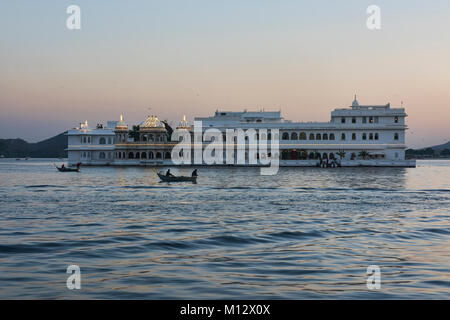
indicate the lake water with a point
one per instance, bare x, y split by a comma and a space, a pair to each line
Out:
304, 233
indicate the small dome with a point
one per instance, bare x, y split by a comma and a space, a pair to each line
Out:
84, 125
355, 102
152, 122
121, 124
183, 124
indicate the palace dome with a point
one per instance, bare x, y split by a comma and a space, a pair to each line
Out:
151, 122
121, 125
183, 124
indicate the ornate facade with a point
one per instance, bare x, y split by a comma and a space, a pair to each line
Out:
359, 135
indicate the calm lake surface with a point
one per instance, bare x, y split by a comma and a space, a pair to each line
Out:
304, 233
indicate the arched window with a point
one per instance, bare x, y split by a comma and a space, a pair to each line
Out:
150, 155
151, 138
324, 155
311, 136
102, 140
331, 136
376, 135
325, 136
364, 136
143, 155
276, 136
353, 136
144, 138
285, 136
331, 155
84, 140
130, 155
302, 136
158, 155
396, 136
343, 136
102, 155
294, 136
167, 156
138, 155
371, 136
318, 137
123, 155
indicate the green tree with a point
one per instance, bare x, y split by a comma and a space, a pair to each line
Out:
134, 133
341, 154
169, 130
363, 154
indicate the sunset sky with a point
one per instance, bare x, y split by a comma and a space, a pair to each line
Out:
193, 57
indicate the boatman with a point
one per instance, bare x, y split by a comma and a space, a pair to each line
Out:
194, 173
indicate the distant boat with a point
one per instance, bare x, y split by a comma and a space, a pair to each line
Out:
165, 178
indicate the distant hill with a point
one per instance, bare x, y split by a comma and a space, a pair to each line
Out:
441, 147
50, 148
440, 151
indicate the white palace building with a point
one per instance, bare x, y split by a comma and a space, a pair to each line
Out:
360, 135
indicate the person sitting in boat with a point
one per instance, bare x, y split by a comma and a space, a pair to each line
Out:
63, 167
168, 174
194, 173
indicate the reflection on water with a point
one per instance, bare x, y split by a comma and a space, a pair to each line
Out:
304, 233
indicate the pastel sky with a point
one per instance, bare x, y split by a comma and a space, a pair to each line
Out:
195, 56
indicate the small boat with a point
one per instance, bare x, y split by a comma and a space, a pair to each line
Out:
65, 169
68, 169
165, 178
